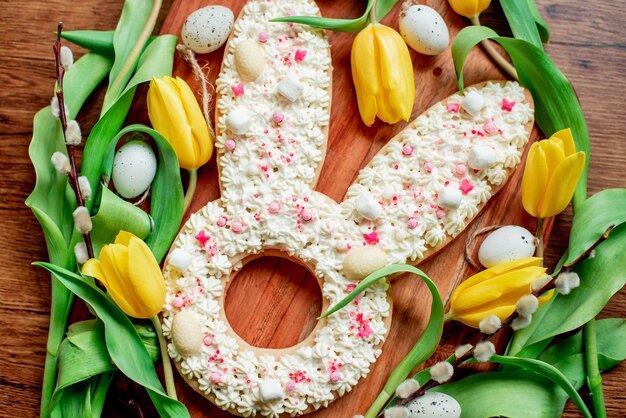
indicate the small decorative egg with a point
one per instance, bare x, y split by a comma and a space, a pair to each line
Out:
206, 29
508, 243
434, 405
424, 30
363, 261
134, 168
187, 334
249, 59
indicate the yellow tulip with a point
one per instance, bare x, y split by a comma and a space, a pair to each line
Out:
469, 8
495, 291
175, 114
131, 275
382, 71
551, 174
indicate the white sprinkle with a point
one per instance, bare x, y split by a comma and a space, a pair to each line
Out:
80, 252
521, 322
484, 351
60, 162
540, 283
567, 281
85, 187
82, 220
441, 372
490, 325
396, 412
407, 388
73, 136
67, 57
527, 305
462, 350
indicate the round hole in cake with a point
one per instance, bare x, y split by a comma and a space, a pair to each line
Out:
273, 301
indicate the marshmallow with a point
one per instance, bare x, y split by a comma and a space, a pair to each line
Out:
180, 259
473, 102
290, 88
449, 198
368, 207
270, 390
481, 157
238, 121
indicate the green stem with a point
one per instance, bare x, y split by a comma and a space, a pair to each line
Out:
594, 379
117, 86
167, 365
191, 189
539, 237
372, 15
495, 54
378, 405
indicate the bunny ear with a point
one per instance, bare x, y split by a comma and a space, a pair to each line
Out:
429, 182
273, 105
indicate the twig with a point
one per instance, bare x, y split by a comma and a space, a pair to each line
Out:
200, 75
495, 55
72, 175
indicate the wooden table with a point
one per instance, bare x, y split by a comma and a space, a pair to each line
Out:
588, 46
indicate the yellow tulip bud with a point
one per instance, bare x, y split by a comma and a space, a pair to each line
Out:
175, 114
496, 291
469, 8
552, 171
382, 71
131, 275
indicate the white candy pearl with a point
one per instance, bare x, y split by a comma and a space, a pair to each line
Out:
449, 198
481, 157
290, 88
473, 102
368, 207
238, 121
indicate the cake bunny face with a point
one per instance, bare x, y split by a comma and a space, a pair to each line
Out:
416, 194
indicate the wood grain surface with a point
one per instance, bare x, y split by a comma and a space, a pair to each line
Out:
273, 302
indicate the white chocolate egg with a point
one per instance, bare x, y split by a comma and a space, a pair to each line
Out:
363, 261
187, 333
249, 59
134, 168
434, 405
206, 29
508, 243
424, 30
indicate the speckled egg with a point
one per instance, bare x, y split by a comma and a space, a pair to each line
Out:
434, 405
134, 168
206, 29
508, 243
424, 30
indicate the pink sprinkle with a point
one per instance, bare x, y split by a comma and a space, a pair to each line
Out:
350, 287
237, 227
290, 386
460, 169
490, 127
453, 107
371, 238
407, 149
215, 378
306, 215
335, 377
263, 37
178, 302
238, 89
428, 166
507, 105
300, 54
230, 144
221, 222
274, 207
412, 223
441, 214
466, 186
278, 117
207, 340
290, 12
202, 238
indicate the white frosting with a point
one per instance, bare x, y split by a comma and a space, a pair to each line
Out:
267, 202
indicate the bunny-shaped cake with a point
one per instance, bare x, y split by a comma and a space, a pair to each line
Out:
421, 190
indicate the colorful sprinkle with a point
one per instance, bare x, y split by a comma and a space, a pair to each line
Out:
178, 302
453, 107
412, 223
335, 377
238, 89
306, 215
222, 221
441, 214
490, 127
230, 144
466, 186
460, 170
237, 227
507, 105
371, 238
274, 208
202, 238
407, 149
278, 117
263, 37
300, 54
428, 166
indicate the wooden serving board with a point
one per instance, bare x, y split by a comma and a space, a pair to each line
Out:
273, 302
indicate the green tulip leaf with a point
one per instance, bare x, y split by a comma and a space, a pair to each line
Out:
522, 21
542, 26
601, 277
556, 104
593, 221
339, 25
85, 399
122, 340
93, 40
115, 214
425, 345
383, 7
